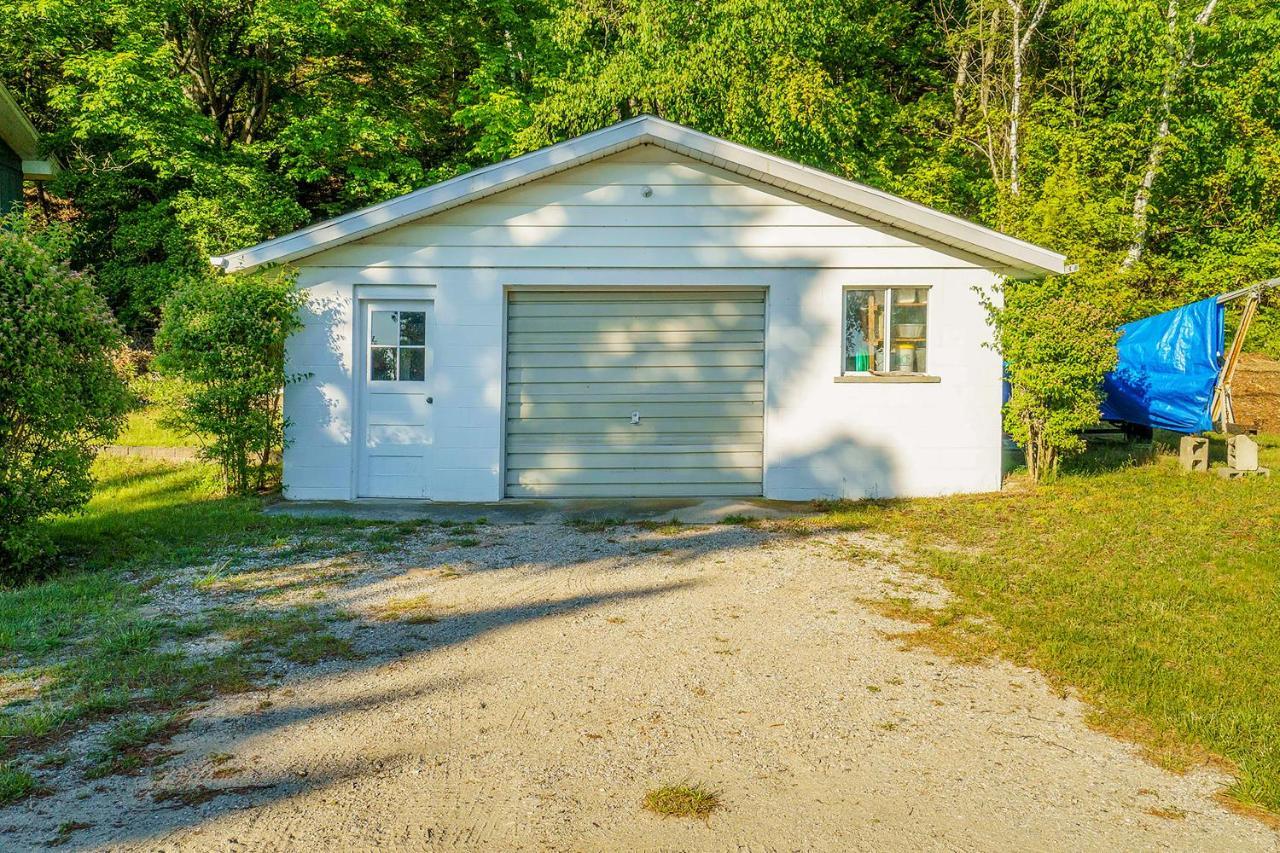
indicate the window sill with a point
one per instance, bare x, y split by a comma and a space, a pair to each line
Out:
916, 378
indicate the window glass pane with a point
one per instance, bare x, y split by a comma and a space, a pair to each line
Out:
413, 364
382, 363
382, 328
413, 328
908, 329
863, 330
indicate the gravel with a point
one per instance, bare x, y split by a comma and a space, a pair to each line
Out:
570, 672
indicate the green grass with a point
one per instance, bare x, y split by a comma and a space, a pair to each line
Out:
683, 800
143, 429
126, 748
1152, 592
80, 646
16, 783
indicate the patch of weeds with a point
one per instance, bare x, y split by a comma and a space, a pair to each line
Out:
873, 688
466, 542
673, 525
740, 520
595, 525
449, 572
615, 620
887, 727
126, 748
218, 758
54, 760
416, 610
946, 631
66, 829
683, 800
16, 783
317, 647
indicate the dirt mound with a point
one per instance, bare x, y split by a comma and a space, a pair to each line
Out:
1256, 392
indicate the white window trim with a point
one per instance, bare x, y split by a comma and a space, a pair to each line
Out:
846, 375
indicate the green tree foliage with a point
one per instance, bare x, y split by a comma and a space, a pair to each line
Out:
222, 338
61, 392
1057, 347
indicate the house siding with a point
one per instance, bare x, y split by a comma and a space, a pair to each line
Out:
650, 218
10, 178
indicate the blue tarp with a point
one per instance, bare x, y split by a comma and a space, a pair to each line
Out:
1168, 369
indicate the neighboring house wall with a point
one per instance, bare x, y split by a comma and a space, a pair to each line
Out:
10, 178
593, 226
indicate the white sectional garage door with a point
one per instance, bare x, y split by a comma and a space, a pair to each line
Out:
633, 393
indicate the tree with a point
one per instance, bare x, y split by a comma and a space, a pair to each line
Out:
223, 339
1057, 348
61, 393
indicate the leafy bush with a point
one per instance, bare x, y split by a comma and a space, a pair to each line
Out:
223, 337
61, 390
1057, 348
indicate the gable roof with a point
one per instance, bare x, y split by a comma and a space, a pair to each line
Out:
19, 134
1018, 256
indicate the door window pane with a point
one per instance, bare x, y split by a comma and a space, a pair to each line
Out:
413, 364
382, 363
383, 328
413, 328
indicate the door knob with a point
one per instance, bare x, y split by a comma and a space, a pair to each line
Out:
431, 400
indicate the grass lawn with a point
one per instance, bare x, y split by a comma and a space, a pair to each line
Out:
143, 429
1155, 594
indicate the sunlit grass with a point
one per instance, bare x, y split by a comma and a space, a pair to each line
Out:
1152, 591
143, 429
683, 800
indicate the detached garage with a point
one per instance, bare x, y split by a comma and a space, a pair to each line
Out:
644, 311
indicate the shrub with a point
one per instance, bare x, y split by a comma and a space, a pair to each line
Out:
1057, 347
223, 338
61, 391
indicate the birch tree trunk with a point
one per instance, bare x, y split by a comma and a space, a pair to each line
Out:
1182, 60
1020, 40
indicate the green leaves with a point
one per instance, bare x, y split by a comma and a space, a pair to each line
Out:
61, 392
223, 337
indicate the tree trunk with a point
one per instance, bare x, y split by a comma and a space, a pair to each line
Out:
1019, 42
1181, 61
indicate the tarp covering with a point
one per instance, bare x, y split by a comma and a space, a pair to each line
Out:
1168, 369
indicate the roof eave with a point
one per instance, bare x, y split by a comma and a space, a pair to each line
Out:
1022, 259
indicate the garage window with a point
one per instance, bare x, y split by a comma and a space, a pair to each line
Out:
886, 330
397, 346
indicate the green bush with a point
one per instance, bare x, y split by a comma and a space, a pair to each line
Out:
62, 392
1057, 348
223, 339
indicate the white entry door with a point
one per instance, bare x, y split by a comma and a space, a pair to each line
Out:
395, 400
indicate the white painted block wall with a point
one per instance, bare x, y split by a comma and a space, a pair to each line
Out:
698, 227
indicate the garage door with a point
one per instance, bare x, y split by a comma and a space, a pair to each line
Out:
635, 393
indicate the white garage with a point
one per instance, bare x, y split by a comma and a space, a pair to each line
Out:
644, 311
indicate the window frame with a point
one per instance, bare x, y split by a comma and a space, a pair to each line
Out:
887, 293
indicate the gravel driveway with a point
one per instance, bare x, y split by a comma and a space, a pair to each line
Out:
570, 672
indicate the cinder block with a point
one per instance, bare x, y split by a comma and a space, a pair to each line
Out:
1237, 473
1193, 453
1242, 453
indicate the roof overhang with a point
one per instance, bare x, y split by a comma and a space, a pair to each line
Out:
1015, 257
20, 135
